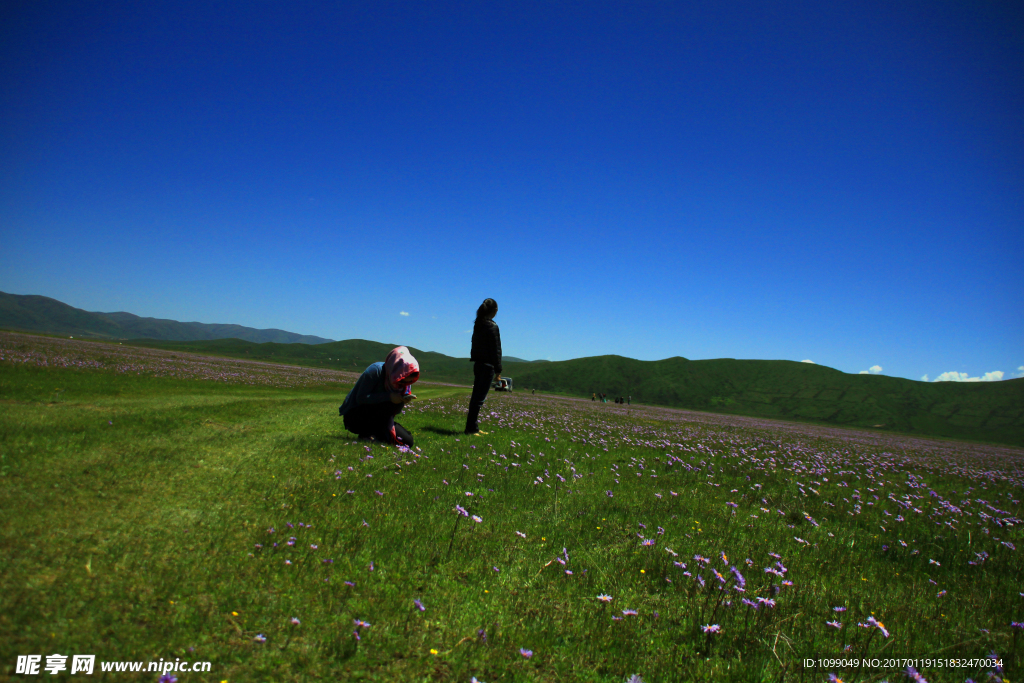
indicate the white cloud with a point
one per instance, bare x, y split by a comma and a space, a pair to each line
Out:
863, 372
1020, 372
993, 376
925, 378
951, 377
809, 361
405, 313
873, 370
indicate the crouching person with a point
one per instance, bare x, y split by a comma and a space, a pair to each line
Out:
379, 395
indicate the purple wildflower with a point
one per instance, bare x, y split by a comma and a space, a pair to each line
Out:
913, 675
526, 653
740, 581
872, 622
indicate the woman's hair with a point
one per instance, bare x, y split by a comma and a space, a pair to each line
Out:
488, 309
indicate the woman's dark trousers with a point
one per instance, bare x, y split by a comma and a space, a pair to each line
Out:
483, 375
374, 420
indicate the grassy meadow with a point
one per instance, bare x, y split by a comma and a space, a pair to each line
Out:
162, 505
990, 412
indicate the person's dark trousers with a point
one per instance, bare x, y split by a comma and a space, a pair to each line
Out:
373, 420
483, 375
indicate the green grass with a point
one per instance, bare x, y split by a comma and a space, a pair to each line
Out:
132, 508
992, 412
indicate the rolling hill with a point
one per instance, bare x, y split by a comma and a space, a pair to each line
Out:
32, 313
979, 411
787, 390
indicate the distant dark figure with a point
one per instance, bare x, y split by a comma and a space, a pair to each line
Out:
593, 397
379, 395
486, 357
629, 400
621, 400
533, 391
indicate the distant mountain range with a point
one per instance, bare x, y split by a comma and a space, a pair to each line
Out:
33, 313
774, 389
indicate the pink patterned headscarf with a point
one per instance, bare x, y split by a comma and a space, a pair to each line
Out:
401, 370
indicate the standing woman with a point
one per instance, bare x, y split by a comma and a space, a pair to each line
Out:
379, 395
486, 357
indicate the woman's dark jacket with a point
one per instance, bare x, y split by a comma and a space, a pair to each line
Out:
487, 344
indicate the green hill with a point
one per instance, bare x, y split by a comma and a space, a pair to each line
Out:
31, 313
981, 411
978, 411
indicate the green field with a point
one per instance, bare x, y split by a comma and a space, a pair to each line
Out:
992, 412
138, 491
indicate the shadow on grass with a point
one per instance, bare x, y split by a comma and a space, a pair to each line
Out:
442, 432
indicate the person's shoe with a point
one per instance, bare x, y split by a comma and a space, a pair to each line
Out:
476, 433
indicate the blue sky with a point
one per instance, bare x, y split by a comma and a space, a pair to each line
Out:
835, 182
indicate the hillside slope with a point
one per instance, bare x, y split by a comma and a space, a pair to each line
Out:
979, 411
986, 411
32, 313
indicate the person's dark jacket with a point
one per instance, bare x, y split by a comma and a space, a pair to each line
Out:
487, 344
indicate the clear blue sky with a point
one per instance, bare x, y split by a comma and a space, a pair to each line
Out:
835, 182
